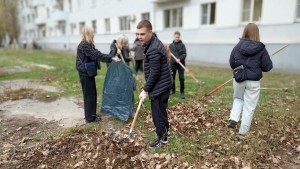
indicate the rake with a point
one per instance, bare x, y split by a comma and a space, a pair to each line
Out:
222, 85
115, 136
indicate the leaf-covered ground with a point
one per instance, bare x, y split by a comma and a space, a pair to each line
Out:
211, 144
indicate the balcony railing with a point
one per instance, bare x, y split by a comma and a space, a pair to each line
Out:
59, 15
161, 1
37, 3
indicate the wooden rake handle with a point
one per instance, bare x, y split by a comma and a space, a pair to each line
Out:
186, 69
219, 87
136, 116
120, 53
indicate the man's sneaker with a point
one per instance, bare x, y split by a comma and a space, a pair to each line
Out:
158, 142
182, 95
232, 124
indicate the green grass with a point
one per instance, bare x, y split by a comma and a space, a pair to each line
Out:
275, 108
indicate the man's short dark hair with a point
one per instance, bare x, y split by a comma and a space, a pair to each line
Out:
144, 24
177, 33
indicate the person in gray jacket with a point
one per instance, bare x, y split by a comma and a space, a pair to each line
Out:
138, 55
177, 48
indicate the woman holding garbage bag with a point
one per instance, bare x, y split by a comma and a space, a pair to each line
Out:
87, 64
123, 48
249, 58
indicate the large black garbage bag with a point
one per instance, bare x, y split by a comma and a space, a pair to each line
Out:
118, 97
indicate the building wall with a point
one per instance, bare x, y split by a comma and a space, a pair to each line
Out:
205, 43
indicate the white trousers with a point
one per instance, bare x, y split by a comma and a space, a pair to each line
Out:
245, 98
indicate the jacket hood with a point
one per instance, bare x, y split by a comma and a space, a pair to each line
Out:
83, 44
249, 47
177, 42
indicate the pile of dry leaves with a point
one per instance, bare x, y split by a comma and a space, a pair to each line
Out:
189, 119
96, 150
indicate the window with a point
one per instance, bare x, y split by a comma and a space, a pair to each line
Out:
81, 26
93, 3
298, 10
124, 23
107, 25
73, 27
94, 24
59, 5
22, 3
146, 16
62, 27
251, 10
173, 18
70, 5
208, 14
28, 18
48, 12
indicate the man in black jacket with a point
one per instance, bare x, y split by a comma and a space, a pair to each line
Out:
158, 80
178, 50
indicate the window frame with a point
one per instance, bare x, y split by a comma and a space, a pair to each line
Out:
81, 26
297, 18
208, 14
94, 26
143, 16
171, 22
251, 12
107, 25
124, 23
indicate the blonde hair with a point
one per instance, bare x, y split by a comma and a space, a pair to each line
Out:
251, 32
87, 35
168, 52
122, 41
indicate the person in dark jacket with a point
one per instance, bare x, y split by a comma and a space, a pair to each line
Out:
158, 80
138, 55
86, 52
122, 44
252, 54
177, 48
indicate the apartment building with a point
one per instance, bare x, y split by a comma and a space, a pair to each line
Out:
209, 28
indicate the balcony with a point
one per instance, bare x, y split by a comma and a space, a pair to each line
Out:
59, 15
37, 3
39, 20
162, 1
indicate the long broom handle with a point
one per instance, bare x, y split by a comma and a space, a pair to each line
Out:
186, 69
135, 116
219, 87
120, 53
280, 49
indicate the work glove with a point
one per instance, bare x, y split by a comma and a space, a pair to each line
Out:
143, 95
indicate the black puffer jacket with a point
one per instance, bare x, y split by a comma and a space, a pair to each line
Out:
157, 72
179, 51
253, 56
124, 51
87, 53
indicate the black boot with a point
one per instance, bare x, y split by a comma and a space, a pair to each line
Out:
182, 95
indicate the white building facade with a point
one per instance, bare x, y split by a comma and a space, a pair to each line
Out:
209, 28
